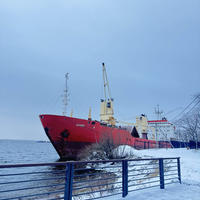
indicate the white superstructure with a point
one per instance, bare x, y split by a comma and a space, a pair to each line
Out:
164, 131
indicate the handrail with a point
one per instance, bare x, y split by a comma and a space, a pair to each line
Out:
120, 176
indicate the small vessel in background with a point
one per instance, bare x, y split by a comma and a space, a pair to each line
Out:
70, 135
41, 141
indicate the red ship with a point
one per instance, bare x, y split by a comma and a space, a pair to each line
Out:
70, 135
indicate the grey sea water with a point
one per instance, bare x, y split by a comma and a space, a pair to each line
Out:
27, 152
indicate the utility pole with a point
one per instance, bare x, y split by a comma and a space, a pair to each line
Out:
65, 100
156, 136
158, 113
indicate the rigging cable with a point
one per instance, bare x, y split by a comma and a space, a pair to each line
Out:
74, 104
52, 99
128, 119
77, 102
53, 106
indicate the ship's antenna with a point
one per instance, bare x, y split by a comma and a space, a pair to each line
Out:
65, 100
158, 113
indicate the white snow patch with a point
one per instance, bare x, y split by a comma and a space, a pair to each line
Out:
125, 151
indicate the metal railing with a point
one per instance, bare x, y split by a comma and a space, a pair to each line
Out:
89, 179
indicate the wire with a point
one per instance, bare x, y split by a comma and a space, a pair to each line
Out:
165, 136
77, 102
189, 110
53, 106
187, 107
128, 119
53, 99
75, 105
173, 111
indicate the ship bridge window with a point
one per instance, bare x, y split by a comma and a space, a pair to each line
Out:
93, 122
108, 105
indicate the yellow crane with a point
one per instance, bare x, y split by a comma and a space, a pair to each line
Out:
106, 112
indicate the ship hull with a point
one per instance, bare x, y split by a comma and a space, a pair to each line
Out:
70, 136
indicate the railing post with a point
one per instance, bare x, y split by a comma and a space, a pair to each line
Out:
148, 144
124, 178
179, 170
161, 170
69, 181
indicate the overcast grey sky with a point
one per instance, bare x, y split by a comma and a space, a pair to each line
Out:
151, 50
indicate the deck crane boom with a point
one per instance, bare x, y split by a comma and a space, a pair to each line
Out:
106, 112
105, 80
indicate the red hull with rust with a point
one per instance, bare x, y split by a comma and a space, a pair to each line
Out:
70, 135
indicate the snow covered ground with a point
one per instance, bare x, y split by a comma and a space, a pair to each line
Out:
175, 192
190, 175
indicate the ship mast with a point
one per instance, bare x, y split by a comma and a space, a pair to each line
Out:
158, 113
65, 100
